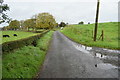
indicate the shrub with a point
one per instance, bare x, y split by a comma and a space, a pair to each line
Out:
62, 24
81, 22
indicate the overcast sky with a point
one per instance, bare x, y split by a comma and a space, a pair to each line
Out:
71, 11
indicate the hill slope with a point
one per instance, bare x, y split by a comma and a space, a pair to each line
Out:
84, 34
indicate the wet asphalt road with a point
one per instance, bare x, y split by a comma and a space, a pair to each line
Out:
63, 60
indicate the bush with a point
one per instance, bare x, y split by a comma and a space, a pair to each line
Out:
10, 46
62, 24
81, 22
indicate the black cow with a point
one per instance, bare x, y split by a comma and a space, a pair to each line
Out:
14, 34
6, 36
88, 22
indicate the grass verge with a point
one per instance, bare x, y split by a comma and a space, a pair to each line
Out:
43, 42
26, 61
84, 34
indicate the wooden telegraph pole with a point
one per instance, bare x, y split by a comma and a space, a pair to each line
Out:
96, 21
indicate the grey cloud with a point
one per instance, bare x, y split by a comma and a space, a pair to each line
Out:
71, 12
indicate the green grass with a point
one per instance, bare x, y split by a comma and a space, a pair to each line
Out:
20, 35
25, 62
43, 42
0, 58
83, 34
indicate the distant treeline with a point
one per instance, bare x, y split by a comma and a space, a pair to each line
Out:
39, 21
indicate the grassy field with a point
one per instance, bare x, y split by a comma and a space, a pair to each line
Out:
84, 34
20, 35
26, 62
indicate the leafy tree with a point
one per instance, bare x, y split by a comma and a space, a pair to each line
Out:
45, 21
3, 14
6, 28
62, 24
22, 24
30, 23
81, 22
67, 23
3, 28
34, 16
57, 24
27, 24
33, 23
14, 25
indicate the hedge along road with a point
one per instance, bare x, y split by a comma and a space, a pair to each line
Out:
63, 60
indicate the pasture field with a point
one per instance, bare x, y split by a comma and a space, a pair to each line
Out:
26, 61
20, 35
84, 34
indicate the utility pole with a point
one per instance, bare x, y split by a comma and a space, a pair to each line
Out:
96, 21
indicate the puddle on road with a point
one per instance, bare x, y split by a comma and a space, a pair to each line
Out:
105, 66
81, 49
96, 49
113, 51
100, 55
109, 57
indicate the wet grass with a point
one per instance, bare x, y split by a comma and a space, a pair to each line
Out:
20, 35
84, 34
25, 62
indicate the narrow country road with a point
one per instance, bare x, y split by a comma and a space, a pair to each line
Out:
63, 60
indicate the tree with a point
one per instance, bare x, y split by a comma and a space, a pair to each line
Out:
33, 23
3, 14
45, 21
22, 24
30, 23
81, 22
34, 16
62, 24
6, 28
57, 24
14, 25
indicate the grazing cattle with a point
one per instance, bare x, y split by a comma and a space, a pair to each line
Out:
6, 36
14, 34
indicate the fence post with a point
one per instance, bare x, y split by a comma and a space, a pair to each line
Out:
102, 35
